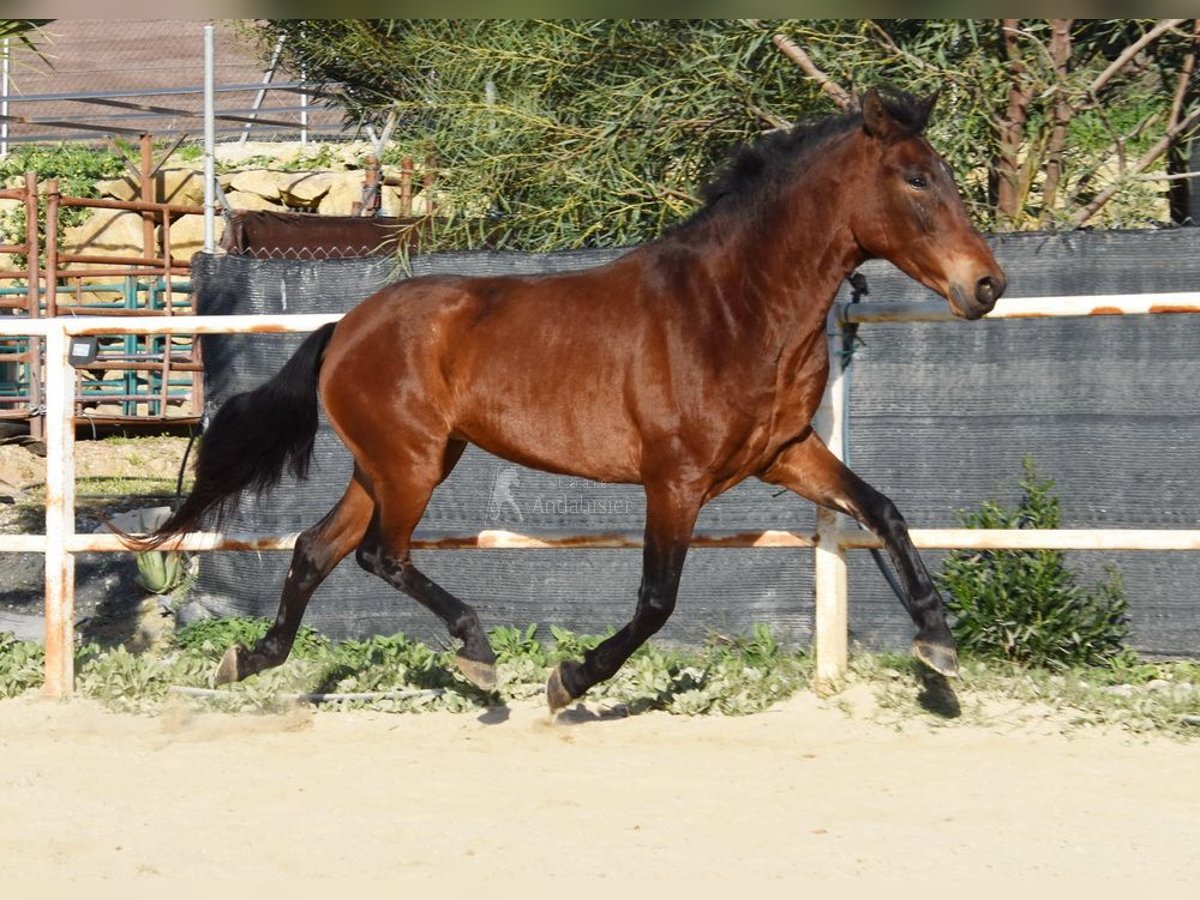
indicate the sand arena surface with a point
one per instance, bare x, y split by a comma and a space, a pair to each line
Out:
812, 789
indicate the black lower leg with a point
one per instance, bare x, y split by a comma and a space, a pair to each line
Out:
934, 642
303, 577
476, 659
662, 568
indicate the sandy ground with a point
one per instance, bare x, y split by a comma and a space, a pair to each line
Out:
815, 789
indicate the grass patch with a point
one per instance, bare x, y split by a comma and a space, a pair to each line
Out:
1138, 697
729, 675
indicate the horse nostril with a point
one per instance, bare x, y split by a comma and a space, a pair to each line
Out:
988, 290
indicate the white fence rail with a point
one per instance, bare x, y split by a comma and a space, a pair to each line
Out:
60, 542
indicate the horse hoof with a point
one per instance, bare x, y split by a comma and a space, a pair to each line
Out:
557, 695
480, 674
942, 658
227, 669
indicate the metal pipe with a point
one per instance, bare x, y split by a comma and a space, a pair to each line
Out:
60, 541
268, 77
1104, 539
4, 99
1026, 307
210, 143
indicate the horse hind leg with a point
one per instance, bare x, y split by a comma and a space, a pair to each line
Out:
385, 552
318, 550
389, 559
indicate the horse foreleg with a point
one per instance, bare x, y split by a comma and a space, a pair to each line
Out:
810, 470
318, 550
670, 516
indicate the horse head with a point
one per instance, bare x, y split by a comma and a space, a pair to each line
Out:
910, 212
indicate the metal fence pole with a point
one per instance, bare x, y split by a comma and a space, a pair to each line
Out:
210, 143
5, 50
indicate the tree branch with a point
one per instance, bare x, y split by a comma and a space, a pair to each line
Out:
843, 98
1130, 52
1060, 113
1009, 184
1147, 159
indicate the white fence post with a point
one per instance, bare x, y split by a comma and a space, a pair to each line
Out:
830, 578
60, 514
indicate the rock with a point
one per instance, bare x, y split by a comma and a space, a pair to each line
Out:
136, 521
305, 192
248, 200
184, 187
193, 611
10, 493
30, 628
421, 204
187, 235
344, 191
235, 152
264, 182
124, 188
111, 232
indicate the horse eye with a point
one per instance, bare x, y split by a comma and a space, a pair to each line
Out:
917, 181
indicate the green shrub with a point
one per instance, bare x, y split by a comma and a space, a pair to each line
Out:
22, 664
1025, 605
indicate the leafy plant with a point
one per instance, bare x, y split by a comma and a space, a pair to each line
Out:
21, 665
1025, 605
211, 637
162, 572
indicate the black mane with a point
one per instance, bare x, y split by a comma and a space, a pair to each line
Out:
755, 170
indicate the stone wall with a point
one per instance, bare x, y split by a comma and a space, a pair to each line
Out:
332, 185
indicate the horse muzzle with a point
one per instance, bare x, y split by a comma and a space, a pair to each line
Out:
975, 301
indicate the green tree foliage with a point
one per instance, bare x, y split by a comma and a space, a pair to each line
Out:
552, 134
1025, 605
24, 30
1061, 117
560, 134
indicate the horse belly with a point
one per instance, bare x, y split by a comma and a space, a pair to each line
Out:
562, 414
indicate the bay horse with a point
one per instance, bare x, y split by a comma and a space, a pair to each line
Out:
692, 362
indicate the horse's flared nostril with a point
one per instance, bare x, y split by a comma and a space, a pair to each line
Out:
988, 290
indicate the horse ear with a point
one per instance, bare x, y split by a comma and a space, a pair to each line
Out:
882, 122
877, 120
925, 109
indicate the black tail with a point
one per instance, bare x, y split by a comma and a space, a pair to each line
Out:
253, 437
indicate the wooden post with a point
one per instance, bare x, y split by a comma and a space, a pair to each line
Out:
831, 625
37, 420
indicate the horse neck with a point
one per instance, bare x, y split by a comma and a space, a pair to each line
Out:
782, 267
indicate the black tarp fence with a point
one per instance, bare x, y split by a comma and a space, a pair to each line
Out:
941, 417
